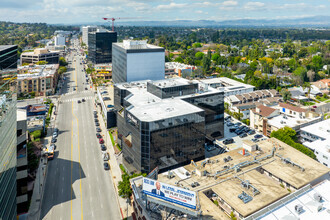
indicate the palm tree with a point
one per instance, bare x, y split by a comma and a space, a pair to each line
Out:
308, 86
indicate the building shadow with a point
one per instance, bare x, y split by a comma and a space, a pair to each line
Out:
58, 186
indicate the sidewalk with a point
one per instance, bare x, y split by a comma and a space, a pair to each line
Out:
40, 181
115, 170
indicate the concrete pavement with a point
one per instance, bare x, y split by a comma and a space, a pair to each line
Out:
77, 186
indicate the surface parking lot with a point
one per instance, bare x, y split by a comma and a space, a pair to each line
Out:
238, 142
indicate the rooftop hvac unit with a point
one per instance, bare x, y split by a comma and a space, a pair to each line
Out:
170, 175
298, 208
318, 197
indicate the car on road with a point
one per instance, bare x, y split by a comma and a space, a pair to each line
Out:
243, 135
105, 156
98, 130
98, 135
106, 166
95, 116
228, 141
103, 147
251, 132
101, 141
97, 124
55, 134
257, 136
54, 140
79, 101
83, 100
96, 120
86, 89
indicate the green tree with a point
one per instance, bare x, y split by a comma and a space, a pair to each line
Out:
199, 55
286, 95
215, 57
317, 63
196, 45
63, 61
124, 186
288, 136
303, 52
301, 74
179, 60
42, 62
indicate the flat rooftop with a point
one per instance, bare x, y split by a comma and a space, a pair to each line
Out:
4, 47
21, 114
177, 81
148, 107
227, 186
308, 203
137, 45
322, 146
280, 122
320, 129
226, 82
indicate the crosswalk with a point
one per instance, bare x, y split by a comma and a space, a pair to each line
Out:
76, 99
77, 92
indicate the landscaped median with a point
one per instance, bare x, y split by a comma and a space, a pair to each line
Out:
115, 145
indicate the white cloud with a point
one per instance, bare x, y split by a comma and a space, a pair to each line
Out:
171, 6
229, 3
254, 5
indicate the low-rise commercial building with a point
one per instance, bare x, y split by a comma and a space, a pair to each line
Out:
317, 138
230, 86
166, 123
137, 60
38, 79
40, 54
103, 71
180, 69
246, 184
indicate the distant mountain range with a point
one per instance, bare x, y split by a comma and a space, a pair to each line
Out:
316, 21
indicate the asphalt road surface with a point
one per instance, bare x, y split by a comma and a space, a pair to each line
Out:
77, 186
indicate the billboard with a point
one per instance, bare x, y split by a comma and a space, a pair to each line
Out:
169, 193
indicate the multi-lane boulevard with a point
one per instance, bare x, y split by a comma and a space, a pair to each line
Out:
77, 186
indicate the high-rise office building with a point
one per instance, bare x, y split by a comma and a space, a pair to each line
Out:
59, 40
8, 75
166, 123
137, 60
85, 30
100, 46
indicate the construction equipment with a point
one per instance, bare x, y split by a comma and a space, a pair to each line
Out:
113, 20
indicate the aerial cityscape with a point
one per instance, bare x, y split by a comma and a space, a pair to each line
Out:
164, 110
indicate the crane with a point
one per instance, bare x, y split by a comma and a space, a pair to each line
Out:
113, 20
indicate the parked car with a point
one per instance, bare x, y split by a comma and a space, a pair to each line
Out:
97, 124
98, 135
55, 134
238, 123
243, 135
79, 101
96, 120
95, 116
228, 141
103, 147
110, 106
106, 166
251, 132
83, 100
257, 136
56, 130
101, 141
98, 130
54, 140
228, 117
229, 124
255, 140
105, 156
106, 98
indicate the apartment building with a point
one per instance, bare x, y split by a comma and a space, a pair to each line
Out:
39, 79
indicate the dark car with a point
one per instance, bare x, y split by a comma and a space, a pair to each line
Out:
54, 140
232, 129
228, 117
98, 130
110, 106
83, 100
258, 136
243, 135
79, 101
229, 124
98, 135
228, 141
97, 124
95, 116
106, 166
238, 123
103, 147
101, 141
96, 120
251, 132
56, 130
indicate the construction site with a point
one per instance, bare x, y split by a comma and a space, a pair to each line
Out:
245, 183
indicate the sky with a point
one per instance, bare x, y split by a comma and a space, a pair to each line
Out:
87, 11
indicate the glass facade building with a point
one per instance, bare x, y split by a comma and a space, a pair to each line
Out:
100, 46
8, 78
161, 139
